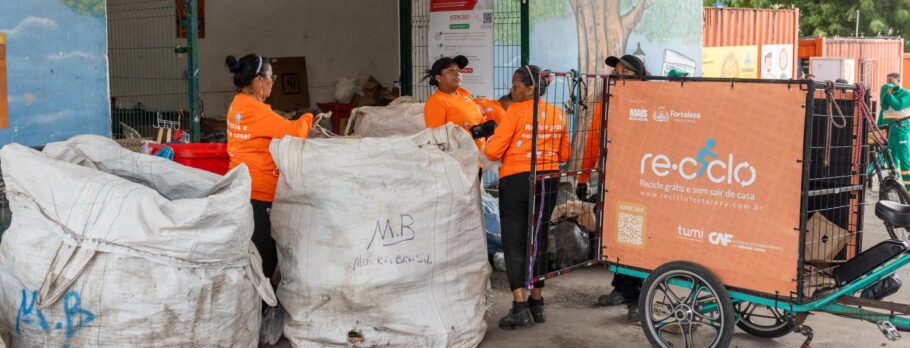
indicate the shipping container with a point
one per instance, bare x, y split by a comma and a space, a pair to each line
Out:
767, 29
875, 57
905, 72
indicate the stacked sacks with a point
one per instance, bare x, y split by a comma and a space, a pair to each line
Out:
111, 248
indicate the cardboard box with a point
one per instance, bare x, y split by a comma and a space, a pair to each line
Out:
290, 91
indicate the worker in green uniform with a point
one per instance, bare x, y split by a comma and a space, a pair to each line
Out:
895, 104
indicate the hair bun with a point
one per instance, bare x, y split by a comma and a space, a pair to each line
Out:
232, 64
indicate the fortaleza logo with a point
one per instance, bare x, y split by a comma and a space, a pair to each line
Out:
661, 114
691, 168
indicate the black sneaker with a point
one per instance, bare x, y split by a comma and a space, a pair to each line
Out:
537, 311
612, 299
634, 314
516, 319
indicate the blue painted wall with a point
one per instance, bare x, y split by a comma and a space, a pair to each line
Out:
57, 70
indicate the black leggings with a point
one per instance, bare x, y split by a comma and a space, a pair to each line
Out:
514, 202
262, 236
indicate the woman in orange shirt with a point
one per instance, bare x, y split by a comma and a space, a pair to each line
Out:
511, 143
251, 126
451, 103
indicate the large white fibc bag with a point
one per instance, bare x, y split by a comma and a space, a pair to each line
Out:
404, 116
381, 240
111, 248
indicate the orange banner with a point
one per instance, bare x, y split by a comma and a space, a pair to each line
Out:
706, 173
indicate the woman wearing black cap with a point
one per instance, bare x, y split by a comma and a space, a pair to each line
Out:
451, 103
626, 289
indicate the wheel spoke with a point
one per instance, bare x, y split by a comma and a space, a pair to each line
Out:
744, 314
669, 294
714, 324
690, 343
752, 312
669, 320
692, 299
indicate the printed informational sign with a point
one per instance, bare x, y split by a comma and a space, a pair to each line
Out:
4, 98
708, 174
730, 61
777, 62
464, 27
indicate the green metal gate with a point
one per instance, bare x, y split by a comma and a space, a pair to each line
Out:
153, 67
510, 46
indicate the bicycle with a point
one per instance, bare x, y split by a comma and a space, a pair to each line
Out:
891, 187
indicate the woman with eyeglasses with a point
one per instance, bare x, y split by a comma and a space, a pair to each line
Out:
251, 126
451, 103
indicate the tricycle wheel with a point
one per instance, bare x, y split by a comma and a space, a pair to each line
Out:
684, 305
761, 321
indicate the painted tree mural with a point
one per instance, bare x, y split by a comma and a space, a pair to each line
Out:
603, 30
93, 8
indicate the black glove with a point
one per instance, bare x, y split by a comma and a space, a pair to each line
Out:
483, 130
581, 190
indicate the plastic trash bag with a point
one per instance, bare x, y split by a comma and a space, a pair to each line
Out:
491, 223
568, 245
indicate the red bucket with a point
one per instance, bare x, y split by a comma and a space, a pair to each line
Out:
340, 112
212, 157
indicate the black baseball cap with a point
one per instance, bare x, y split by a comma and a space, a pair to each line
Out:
629, 61
444, 62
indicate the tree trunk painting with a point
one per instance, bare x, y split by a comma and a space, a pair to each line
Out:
602, 32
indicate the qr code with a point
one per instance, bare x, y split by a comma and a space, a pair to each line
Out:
630, 228
488, 18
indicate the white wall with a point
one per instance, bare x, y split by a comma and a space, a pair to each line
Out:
337, 37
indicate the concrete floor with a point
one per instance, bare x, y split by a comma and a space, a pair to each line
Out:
574, 321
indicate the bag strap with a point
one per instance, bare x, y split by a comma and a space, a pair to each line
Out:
68, 264
256, 276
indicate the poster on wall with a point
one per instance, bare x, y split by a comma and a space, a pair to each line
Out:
4, 99
730, 61
777, 61
464, 27
683, 182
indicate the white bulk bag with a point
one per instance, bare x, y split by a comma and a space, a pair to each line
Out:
381, 239
111, 248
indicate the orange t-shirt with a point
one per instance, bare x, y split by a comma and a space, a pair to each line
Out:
251, 126
460, 109
491, 110
511, 141
592, 143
